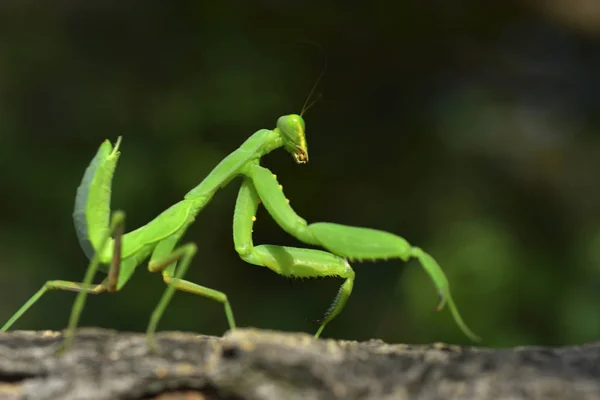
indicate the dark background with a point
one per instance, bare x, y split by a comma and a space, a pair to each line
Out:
469, 128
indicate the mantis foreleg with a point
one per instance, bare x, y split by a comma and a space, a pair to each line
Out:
287, 261
350, 242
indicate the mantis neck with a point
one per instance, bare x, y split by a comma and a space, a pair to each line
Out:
271, 140
255, 147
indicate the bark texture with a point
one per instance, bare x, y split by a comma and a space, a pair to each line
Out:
251, 364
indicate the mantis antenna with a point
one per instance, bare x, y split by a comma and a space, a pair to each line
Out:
308, 103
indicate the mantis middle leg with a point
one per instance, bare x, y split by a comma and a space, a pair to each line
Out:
173, 264
288, 261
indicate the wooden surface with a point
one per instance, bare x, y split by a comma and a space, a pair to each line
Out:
261, 365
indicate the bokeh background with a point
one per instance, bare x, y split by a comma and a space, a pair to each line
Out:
470, 128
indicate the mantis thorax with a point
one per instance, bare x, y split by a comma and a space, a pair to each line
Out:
291, 129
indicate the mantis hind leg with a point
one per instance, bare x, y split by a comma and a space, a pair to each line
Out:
52, 285
180, 258
83, 288
117, 226
288, 261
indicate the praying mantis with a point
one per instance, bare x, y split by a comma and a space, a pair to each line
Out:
102, 238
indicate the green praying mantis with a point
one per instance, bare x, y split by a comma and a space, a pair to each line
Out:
103, 239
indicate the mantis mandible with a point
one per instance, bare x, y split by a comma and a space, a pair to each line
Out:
103, 240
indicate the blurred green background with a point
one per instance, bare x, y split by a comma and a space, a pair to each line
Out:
469, 128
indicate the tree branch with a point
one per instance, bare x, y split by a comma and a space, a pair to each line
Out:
251, 364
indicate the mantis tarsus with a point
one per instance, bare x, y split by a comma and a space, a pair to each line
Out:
104, 242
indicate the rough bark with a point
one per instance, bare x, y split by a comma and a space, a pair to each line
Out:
259, 365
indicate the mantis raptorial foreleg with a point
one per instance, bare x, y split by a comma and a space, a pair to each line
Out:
291, 262
347, 241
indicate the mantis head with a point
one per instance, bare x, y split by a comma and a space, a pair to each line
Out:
291, 128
